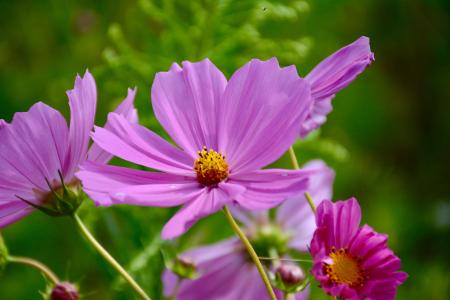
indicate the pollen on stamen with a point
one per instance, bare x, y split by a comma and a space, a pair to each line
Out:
345, 269
211, 167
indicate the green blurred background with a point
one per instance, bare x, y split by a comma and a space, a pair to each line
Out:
387, 138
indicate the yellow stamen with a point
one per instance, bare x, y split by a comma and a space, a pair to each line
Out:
345, 269
211, 167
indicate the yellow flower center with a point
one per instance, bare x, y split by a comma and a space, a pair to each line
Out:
211, 167
345, 269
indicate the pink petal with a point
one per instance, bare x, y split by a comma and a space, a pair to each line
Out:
108, 185
185, 101
205, 254
332, 75
296, 215
210, 201
24, 155
83, 103
129, 112
13, 211
138, 144
268, 188
261, 113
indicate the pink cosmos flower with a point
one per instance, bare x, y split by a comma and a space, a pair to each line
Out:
38, 148
352, 262
226, 131
225, 270
332, 75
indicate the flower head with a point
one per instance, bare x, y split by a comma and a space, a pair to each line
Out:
40, 153
226, 131
352, 262
225, 271
332, 75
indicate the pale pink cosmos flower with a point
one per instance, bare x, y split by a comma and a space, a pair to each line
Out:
352, 262
38, 148
332, 75
226, 131
225, 270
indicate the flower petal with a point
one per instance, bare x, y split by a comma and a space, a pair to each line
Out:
13, 211
268, 188
138, 144
83, 103
332, 75
339, 69
108, 185
208, 202
185, 103
261, 113
295, 214
33, 146
129, 112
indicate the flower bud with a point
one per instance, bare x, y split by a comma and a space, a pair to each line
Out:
289, 278
64, 291
290, 274
184, 267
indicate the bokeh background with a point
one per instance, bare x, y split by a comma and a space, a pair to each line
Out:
387, 138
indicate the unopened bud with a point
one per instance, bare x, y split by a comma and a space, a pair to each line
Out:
64, 291
184, 267
289, 278
290, 274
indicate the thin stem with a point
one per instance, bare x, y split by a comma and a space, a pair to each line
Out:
35, 264
284, 259
310, 201
293, 158
250, 251
296, 166
85, 232
285, 295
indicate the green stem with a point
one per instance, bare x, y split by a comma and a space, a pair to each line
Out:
293, 158
296, 166
35, 264
310, 201
85, 232
251, 252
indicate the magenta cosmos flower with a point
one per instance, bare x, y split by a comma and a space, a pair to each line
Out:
226, 132
38, 146
225, 269
332, 75
352, 262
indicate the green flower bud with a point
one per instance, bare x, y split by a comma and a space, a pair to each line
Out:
184, 267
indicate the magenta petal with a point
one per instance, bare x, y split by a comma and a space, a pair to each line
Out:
210, 201
108, 185
138, 144
185, 102
13, 211
129, 112
2, 123
296, 215
332, 75
261, 113
217, 278
23, 154
268, 188
83, 103
339, 69
208, 253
